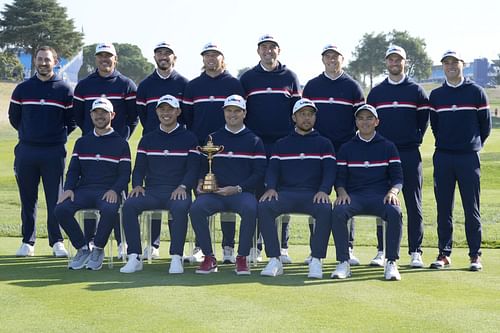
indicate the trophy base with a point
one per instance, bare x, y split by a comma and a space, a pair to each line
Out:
209, 183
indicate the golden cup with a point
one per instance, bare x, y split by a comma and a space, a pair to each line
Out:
210, 183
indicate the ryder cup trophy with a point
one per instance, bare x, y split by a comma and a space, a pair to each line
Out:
210, 183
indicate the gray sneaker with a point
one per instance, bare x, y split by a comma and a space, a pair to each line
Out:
80, 260
96, 259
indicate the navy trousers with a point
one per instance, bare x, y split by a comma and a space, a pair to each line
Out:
371, 205
87, 199
293, 202
133, 207
30, 164
411, 163
465, 169
205, 205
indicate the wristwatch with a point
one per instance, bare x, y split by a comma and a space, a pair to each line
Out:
183, 186
238, 187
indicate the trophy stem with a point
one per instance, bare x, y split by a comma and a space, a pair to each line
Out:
210, 165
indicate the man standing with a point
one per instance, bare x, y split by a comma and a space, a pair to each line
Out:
239, 168
164, 80
271, 90
337, 96
167, 163
202, 108
106, 82
461, 123
40, 110
98, 173
299, 179
369, 179
403, 110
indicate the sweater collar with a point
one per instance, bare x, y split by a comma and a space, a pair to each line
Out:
111, 131
365, 140
176, 127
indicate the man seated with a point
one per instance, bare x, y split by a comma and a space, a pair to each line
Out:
239, 168
98, 172
369, 179
299, 179
167, 163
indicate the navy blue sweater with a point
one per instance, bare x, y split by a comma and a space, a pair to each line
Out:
403, 110
336, 100
369, 168
119, 89
99, 162
166, 160
460, 117
203, 101
41, 111
242, 162
270, 99
302, 163
150, 90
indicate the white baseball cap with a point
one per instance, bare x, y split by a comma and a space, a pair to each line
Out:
102, 103
331, 47
302, 103
162, 45
453, 54
211, 47
394, 49
170, 100
267, 38
367, 107
105, 47
235, 100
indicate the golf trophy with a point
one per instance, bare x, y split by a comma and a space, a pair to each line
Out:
210, 183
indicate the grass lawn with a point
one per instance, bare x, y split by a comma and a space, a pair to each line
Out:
57, 299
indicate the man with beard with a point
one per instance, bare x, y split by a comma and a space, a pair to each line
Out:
403, 110
40, 110
107, 82
337, 96
461, 123
271, 90
98, 173
299, 179
164, 80
203, 113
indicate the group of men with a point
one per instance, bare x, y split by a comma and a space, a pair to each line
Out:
282, 154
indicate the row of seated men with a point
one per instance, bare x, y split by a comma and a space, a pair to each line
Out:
299, 177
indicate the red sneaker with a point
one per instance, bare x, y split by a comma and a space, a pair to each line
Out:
208, 265
242, 266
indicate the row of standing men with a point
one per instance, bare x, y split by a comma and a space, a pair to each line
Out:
459, 117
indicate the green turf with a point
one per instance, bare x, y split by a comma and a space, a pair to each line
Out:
42, 294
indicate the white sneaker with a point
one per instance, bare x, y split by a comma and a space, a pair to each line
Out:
122, 251
315, 269
308, 259
134, 264
176, 265
26, 250
353, 260
342, 271
151, 251
59, 251
391, 271
92, 245
196, 256
416, 260
273, 268
285, 258
228, 257
378, 260
255, 255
